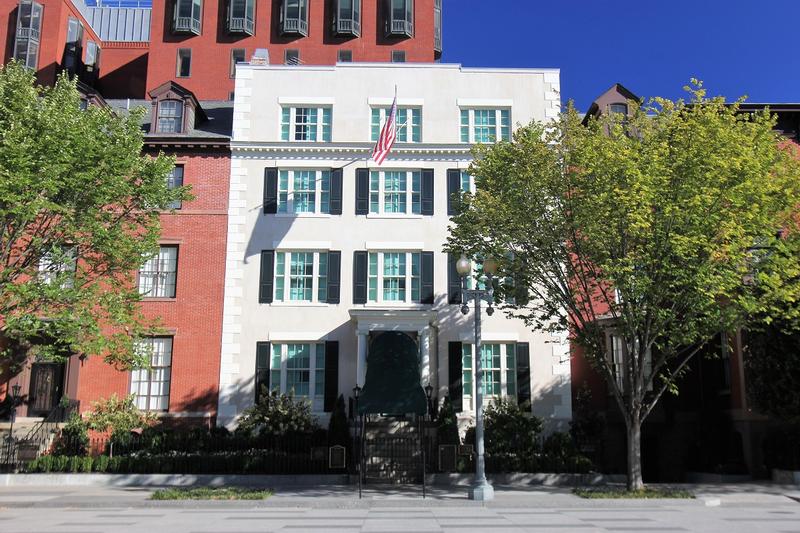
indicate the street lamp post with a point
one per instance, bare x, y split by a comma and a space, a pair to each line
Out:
481, 490
359, 436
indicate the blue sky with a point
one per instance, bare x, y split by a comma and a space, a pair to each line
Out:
653, 47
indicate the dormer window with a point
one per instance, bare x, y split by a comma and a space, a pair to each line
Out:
170, 116
621, 109
294, 17
347, 18
400, 18
187, 16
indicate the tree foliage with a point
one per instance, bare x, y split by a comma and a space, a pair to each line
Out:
79, 201
662, 226
772, 365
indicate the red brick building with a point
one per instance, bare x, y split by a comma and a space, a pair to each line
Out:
177, 58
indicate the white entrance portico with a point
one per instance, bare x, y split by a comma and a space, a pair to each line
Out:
419, 322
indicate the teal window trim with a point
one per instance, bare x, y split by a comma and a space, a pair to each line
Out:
499, 362
298, 368
395, 192
301, 276
306, 123
485, 125
409, 116
304, 191
394, 277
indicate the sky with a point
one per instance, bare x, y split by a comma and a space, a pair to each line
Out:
652, 47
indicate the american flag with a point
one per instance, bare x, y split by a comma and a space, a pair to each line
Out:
388, 135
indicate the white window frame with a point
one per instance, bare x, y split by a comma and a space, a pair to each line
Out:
471, 123
468, 393
409, 278
159, 274
409, 193
50, 270
317, 400
148, 374
287, 277
464, 175
286, 207
407, 130
320, 123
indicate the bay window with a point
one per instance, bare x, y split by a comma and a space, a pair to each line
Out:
241, 16
400, 19
347, 17
394, 277
294, 17
187, 16
409, 123
29, 26
485, 125
306, 124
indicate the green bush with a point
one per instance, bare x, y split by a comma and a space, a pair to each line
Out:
447, 424
338, 427
277, 414
511, 437
73, 438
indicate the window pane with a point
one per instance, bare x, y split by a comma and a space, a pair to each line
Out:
170, 116
304, 187
415, 277
373, 277
505, 125
464, 126
416, 125
374, 194
158, 275
325, 192
466, 365
175, 180
151, 386
285, 119
283, 191
326, 124
322, 278
416, 206
394, 277
319, 372
301, 276
298, 365
402, 126
280, 273
511, 369
375, 124
394, 192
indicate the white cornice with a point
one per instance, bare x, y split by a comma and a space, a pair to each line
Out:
364, 149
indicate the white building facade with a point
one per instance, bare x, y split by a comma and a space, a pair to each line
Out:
327, 250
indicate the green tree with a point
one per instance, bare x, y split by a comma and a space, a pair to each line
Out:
79, 211
656, 227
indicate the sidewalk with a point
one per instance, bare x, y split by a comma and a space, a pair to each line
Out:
339, 496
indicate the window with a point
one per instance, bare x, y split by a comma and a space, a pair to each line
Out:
73, 46
344, 56
291, 57
467, 183
158, 275
304, 191
175, 180
437, 26
393, 277
395, 192
618, 361
306, 124
59, 264
398, 56
294, 276
170, 116
347, 18
184, 63
237, 56
299, 369
150, 386
499, 363
400, 22
485, 125
92, 56
29, 25
409, 123
622, 109
294, 17
187, 16
241, 16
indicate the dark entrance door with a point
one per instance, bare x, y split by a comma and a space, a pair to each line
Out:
47, 385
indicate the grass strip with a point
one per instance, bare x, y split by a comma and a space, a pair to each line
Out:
210, 493
621, 493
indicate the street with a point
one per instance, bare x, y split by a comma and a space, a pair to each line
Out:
95, 510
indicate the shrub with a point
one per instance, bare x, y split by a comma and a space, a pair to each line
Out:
73, 438
277, 414
560, 454
447, 424
338, 428
120, 415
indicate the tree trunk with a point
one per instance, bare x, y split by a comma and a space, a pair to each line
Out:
635, 454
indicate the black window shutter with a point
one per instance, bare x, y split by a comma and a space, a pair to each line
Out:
453, 281
362, 191
267, 274
427, 191
453, 190
455, 374
270, 190
426, 294
524, 376
334, 276
336, 192
331, 374
359, 277
262, 368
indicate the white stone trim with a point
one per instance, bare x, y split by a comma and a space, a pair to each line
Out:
306, 100
288, 336
379, 101
469, 337
302, 245
389, 245
484, 102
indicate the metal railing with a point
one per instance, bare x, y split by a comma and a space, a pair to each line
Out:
295, 25
28, 33
348, 27
401, 27
187, 24
241, 25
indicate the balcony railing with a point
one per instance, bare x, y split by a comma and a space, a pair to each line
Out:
187, 24
401, 27
295, 25
241, 25
437, 43
28, 33
347, 27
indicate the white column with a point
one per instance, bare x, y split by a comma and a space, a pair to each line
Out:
361, 362
425, 355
